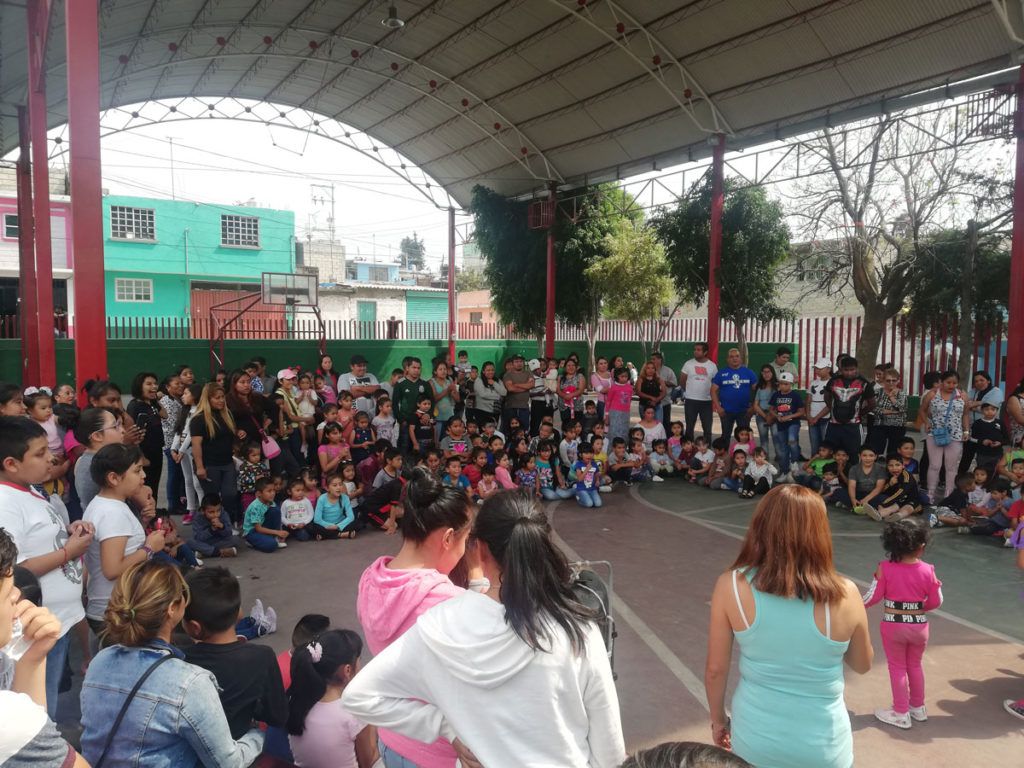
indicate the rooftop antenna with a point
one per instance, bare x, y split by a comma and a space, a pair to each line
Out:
392, 21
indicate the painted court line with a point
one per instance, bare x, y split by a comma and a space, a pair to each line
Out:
675, 665
634, 492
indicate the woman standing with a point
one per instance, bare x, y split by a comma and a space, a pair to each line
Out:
763, 391
796, 621
148, 416
525, 650
946, 421
600, 383
570, 391
173, 386
890, 414
984, 393
213, 437
291, 420
326, 369
1015, 415
489, 392
446, 394
650, 389
178, 719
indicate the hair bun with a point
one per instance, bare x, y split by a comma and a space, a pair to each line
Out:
423, 488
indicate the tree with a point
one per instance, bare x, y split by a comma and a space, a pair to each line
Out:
633, 280
755, 241
470, 280
412, 250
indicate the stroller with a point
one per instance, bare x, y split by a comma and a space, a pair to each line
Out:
596, 593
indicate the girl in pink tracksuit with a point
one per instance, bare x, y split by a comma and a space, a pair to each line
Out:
909, 588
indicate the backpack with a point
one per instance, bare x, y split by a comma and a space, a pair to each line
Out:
594, 593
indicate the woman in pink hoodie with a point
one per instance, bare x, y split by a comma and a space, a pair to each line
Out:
393, 592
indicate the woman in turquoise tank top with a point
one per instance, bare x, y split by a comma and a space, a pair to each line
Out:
796, 621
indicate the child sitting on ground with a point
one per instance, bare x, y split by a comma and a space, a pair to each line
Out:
977, 500
334, 517
637, 454
353, 486
212, 535
503, 470
811, 473
601, 459
455, 443
488, 485
997, 518
589, 417
248, 678
175, 550
900, 497
757, 477
391, 469
737, 468
720, 465
297, 510
742, 438
620, 465
251, 470
453, 474
550, 481
588, 478
703, 458
262, 524
831, 485
952, 510
368, 468
909, 587
527, 476
660, 461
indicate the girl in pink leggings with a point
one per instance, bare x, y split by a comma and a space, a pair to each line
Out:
909, 588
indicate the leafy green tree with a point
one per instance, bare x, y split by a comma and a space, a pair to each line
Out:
755, 241
470, 280
412, 250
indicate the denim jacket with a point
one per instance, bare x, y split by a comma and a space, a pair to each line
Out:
175, 720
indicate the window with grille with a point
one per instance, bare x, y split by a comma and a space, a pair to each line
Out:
128, 289
476, 318
132, 223
11, 226
378, 274
240, 231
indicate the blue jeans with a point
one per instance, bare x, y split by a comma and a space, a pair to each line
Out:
588, 498
787, 444
817, 434
553, 494
264, 542
249, 629
731, 484
392, 759
764, 434
175, 483
55, 661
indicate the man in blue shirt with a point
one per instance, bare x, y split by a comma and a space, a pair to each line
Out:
731, 390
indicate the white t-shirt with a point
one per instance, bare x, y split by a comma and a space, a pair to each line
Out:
349, 380
296, 512
328, 740
112, 519
37, 529
698, 379
816, 390
667, 375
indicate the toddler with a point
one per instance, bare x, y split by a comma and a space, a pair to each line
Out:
721, 465
811, 474
488, 485
474, 467
312, 485
527, 475
297, 510
362, 438
251, 470
39, 404
503, 470
637, 456
909, 588
307, 403
757, 477
830, 483
997, 517
660, 461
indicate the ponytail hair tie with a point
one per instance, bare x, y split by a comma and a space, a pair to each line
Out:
131, 614
316, 652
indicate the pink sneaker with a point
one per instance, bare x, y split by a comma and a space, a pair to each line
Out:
187, 518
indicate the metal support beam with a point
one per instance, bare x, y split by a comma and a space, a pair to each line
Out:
1015, 325
549, 319
38, 17
26, 260
453, 297
82, 25
715, 261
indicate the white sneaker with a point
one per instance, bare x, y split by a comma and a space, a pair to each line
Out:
919, 713
873, 513
608, 489
199, 563
258, 612
889, 717
1008, 543
281, 545
658, 479
269, 623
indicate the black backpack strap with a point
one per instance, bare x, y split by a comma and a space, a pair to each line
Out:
127, 703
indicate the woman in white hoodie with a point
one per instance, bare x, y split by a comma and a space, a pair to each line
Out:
519, 675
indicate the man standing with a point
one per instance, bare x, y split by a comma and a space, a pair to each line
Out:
668, 376
695, 378
539, 405
782, 364
731, 389
848, 396
361, 384
518, 383
268, 383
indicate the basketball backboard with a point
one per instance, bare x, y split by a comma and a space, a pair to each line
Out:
293, 290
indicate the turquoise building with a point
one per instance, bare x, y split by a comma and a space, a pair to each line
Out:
173, 258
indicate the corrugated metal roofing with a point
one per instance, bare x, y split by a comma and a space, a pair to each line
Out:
512, 93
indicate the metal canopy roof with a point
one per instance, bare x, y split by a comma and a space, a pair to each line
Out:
513, 93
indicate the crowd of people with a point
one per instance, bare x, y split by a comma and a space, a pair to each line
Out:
462, 462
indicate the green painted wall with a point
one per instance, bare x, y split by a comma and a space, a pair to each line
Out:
187, 247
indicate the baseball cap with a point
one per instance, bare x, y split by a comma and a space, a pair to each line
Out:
286, 373
533, 364
786, 376
823, 362
357, 360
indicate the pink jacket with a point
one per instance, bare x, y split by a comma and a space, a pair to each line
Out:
388, 604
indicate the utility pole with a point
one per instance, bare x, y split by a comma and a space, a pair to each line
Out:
327, 196
170, 142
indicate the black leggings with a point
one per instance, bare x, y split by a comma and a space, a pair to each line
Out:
155, 468
318, 531
761, 486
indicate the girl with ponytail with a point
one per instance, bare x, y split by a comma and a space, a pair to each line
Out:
321, 732
473, 669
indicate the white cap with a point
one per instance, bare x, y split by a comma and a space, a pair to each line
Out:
823, 362
787, 377
286, 373
533, 364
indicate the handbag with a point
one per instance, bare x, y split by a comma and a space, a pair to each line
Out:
127, 703
941, 435
268, 445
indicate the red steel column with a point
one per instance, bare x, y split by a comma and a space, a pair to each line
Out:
1014, 329
29, 315
453, 297
38, 14
715, 261
82, 25
549, 320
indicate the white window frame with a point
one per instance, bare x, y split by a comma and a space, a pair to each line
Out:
17, 227
237, 231
133, 290
375, 272
128, 223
